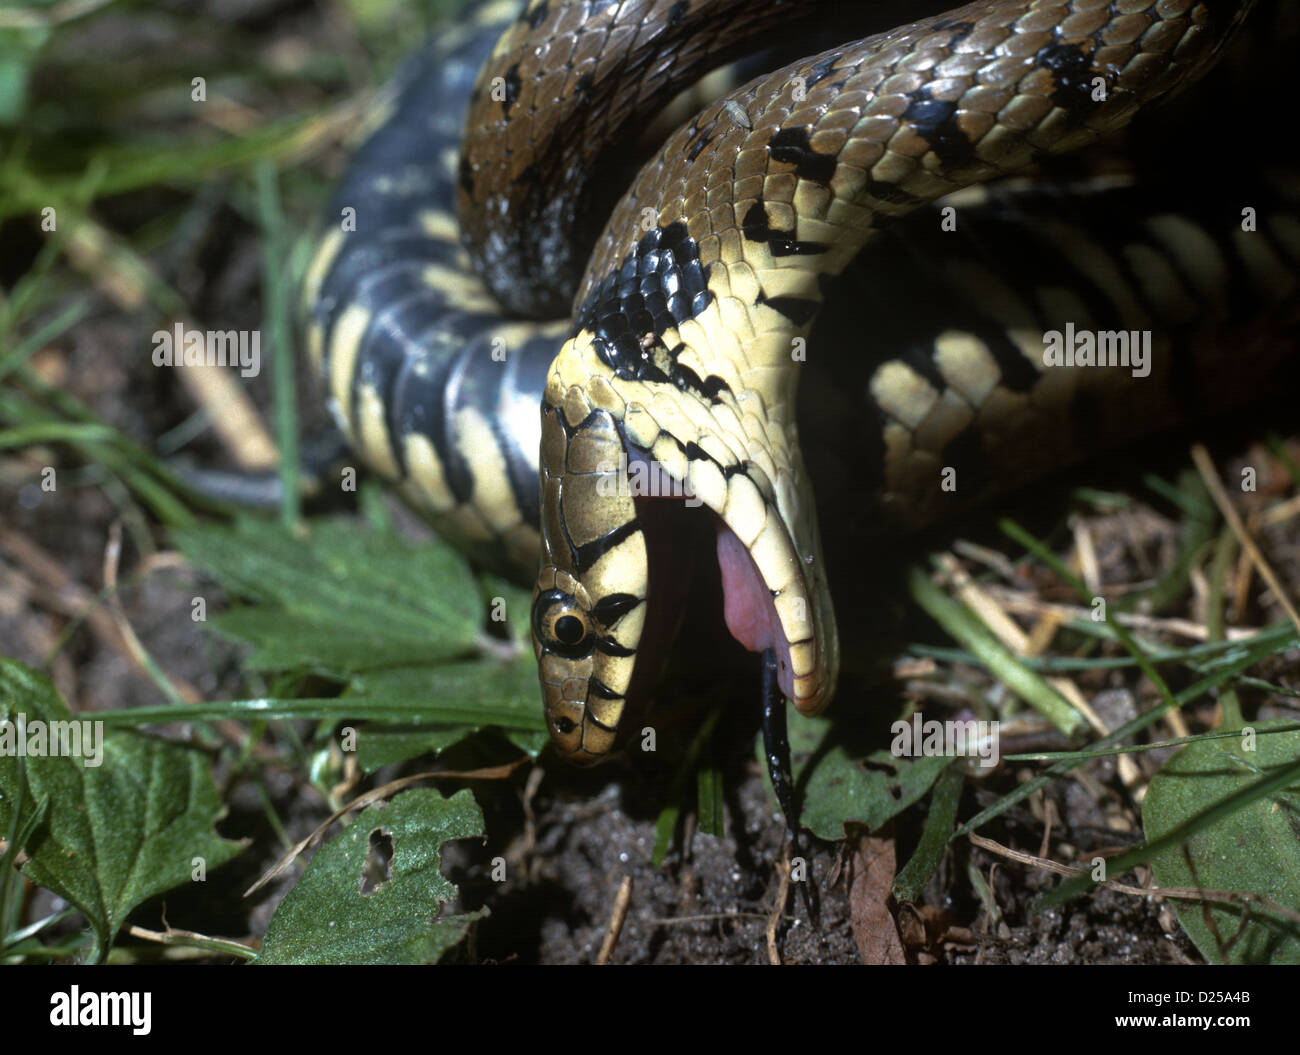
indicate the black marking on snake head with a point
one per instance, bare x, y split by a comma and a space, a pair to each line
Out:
658, 286
758, 228
612, 607
585, 83
529, 177
598, 689
465, 174
678, 11
588, 553
935, 121
591, 717
513, 85
1073, 73
793, 146
611, 647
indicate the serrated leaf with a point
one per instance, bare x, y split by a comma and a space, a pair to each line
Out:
355, 904
1254, 848
344, 598
841, 788
305, 640
114, 833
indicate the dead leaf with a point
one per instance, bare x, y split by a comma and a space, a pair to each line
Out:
872, 867
927, 927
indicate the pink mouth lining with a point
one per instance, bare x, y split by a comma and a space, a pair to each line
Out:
747, 603
748, 606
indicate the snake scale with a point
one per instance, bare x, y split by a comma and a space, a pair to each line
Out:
678, 343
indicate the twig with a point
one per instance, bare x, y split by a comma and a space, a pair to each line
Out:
1220, 495
616, 918
707, 917
1236, 897
778, 912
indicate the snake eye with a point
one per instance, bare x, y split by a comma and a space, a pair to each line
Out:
569, 630
564, 726
561, 625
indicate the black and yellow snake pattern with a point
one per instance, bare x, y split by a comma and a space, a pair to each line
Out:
690, 327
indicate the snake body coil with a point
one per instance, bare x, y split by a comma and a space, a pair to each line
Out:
692, 323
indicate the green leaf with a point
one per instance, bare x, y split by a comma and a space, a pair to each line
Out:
381, 745
1254, 847
480, 694
710, 804
462, 698
839, 788
374, 894
343, 598
126, 817
929, 852
363, 604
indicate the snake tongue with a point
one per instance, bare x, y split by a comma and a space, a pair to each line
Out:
748, 607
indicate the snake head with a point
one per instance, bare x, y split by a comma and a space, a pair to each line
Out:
617, 563
589, 603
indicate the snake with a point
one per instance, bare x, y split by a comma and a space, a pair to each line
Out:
514, 337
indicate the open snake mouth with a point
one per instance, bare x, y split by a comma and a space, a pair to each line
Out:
670, 527
604, 635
